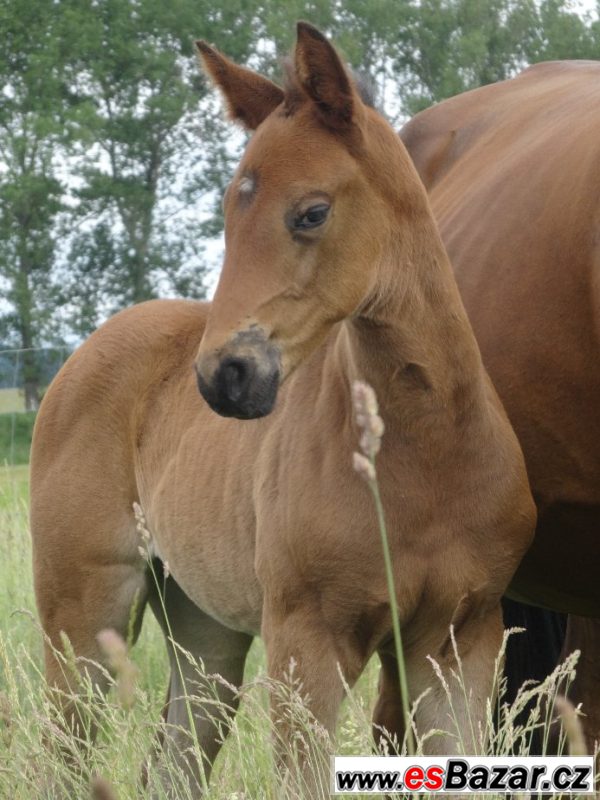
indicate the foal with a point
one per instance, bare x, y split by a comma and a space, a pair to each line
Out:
334, 271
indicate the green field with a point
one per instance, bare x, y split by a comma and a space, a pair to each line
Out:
14, 487
16, 428
11, 400
30, 768
15, 438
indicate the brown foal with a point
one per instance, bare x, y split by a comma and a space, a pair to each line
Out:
334, 270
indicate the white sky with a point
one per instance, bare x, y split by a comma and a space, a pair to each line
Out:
583, 5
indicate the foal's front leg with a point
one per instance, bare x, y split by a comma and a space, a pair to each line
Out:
305, 663
452, 702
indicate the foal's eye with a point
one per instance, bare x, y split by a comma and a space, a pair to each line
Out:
312, 217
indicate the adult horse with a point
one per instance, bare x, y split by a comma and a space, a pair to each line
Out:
513, 174
333, 271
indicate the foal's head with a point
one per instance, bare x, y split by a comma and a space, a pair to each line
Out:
308, 218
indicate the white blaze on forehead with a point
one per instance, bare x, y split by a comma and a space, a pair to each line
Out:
246, 185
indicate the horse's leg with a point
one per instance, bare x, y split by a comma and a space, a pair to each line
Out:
462, 716
533, 654
199, 709
88, 577
304, 657
82, 587
583, 633
388, 715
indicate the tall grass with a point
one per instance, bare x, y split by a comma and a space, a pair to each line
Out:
37, 757
16, 430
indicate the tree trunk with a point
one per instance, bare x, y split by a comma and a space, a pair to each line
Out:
32, 395
31, 381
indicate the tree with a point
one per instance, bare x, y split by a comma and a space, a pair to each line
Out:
367, 32
451, 46
457, 45
110, 138
563, 34
143, 145
32, 130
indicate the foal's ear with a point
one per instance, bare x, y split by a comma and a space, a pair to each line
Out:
250, 97
324, 78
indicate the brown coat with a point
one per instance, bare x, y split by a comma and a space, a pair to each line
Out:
513, 174
265, 525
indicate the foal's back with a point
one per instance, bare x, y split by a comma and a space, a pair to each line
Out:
110, 383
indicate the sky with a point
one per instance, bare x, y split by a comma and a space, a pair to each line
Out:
583, 5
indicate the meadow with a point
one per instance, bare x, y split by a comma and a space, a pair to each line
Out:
11, 400
16, 427
30, 767
244, 768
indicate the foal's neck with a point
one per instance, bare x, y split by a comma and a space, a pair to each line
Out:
412, 341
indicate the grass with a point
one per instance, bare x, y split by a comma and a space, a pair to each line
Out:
11, 400
245, 769
15, 437
14, 487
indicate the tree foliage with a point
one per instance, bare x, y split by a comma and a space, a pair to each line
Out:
452, 46
110, 137
141, 142
33, 112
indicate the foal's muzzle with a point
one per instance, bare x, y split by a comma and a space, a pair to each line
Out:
242, 385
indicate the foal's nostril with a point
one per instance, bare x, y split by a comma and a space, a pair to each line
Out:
241, 386
235, 374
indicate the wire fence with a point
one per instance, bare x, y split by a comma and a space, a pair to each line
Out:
25, 374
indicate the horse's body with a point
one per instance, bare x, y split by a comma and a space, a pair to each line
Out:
513, 173
334, 271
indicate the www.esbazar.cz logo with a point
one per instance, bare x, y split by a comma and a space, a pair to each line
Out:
467, 775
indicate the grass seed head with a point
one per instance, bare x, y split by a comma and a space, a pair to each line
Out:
364, 398
114, 648
367, 418
572, 727
141, 525
363, 466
